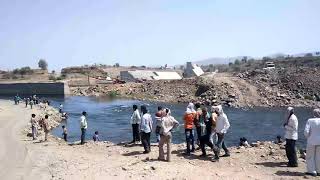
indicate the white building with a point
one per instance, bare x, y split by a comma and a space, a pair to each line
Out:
149, 75
192, 70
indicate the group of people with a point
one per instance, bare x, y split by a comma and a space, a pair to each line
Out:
311, 132
31, 101
39, 123
142, 126
211, 128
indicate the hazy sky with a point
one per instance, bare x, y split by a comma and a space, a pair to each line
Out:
146, 32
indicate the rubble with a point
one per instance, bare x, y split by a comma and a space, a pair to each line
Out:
286, 87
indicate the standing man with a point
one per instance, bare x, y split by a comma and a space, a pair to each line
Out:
135, 121
291, 135
222, 127
46, 128
205, 124
167, 124
83, 126
158, 117
146, 128
34, 126
188, 127
312, 132
197, 121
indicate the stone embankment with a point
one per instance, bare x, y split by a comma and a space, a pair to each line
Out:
249, 89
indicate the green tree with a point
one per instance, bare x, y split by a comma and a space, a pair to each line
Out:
244, 59
308, 55
43, 64
237, 62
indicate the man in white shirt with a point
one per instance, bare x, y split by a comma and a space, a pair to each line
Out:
291, 135
222, 126
312, 132
146, 128
168, 123
83, 126
135, 121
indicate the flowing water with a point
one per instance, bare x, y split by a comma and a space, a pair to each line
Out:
111, 117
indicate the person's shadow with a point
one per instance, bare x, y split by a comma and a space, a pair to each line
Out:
289, 173
272, 164
133, 153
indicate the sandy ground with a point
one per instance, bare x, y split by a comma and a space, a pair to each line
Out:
22, 158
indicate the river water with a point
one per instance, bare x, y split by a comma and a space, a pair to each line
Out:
111, 117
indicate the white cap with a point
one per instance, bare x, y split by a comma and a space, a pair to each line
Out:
290, 109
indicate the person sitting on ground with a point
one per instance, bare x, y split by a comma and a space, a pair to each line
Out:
188, 127
279, 140
312, 133
96, 136
168, 123
146, 128
158, 117
221, 129
34, 126
205, 126
135, 122
291, 135
243, 142
64, 133
64, 116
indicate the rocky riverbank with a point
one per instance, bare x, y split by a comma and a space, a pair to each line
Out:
249, 89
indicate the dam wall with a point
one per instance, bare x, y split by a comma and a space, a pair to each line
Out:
56, 89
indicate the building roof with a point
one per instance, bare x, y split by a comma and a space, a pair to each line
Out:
166, 75
154, 75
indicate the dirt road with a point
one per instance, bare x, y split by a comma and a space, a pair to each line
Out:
17, 161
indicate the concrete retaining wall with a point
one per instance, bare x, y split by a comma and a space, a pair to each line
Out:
33, 88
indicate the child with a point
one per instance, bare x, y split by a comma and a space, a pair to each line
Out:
65, 133
244, 142
60, 108
96, 136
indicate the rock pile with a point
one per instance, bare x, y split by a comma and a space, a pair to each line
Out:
284, 87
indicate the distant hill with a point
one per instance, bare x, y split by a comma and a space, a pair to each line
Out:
218, 60
227, 60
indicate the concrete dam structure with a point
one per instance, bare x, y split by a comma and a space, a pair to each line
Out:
47, 88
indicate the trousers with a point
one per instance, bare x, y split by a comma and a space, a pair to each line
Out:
291, 152
189, 140
135, 133
145, 139
83, 135
220, 143
165, 140
313, 158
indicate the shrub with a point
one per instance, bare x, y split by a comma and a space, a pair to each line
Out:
52, 78
113, 93
308, 97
